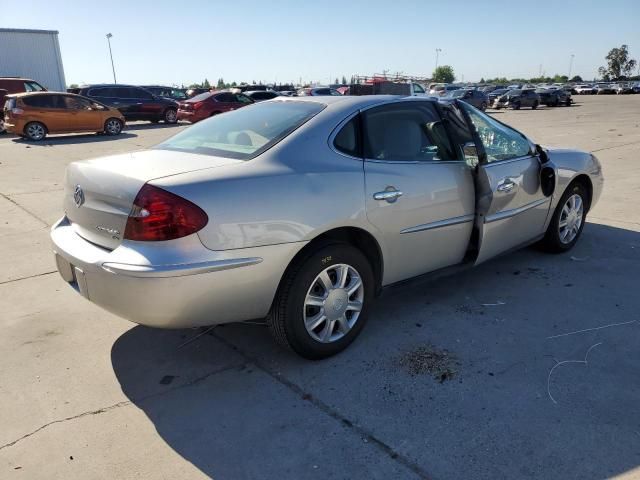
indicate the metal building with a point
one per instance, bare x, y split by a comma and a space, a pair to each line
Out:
33, 54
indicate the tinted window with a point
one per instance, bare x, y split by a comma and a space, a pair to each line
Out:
322, 91
103, 92
407, 131
417, 88
32, 87
226, 97
140, 93
201, 97
500, 142
348, 138
77, 103
244, 133
45, 101
241, 98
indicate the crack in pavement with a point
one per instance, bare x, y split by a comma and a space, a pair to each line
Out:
27, 278
123, 404
330, 411
615, 146
24, 209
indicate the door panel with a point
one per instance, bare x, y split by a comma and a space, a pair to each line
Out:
509, 216
429, 226
419, 192
511, 208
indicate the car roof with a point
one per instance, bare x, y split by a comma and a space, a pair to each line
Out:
361, 101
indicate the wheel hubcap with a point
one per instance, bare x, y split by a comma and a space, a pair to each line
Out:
571, 218
333, 303
171, 115
113, 126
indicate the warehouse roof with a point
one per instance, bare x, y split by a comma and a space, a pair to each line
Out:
23, 30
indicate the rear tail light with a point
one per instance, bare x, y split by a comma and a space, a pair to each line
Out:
197, 105
158, 215
17, 111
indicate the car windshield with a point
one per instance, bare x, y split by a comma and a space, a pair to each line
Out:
245, 133
514, 93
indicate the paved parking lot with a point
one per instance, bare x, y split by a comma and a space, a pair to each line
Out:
84, 394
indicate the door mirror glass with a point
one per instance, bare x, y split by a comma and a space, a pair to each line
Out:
470, 153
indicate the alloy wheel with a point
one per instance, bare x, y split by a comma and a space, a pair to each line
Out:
333, 303
571, 218
171, 115
113, 127
35, 131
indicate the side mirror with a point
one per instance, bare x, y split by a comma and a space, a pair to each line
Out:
547, 172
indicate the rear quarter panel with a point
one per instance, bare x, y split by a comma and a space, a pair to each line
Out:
293, 192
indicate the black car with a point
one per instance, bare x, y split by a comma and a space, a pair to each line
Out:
554, 97
518, 98
178, 94
135, 103
259, 95
474, 97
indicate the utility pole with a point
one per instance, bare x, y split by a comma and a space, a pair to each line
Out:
438, 50
111, 56
570, 66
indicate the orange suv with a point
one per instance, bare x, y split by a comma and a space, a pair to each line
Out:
33, 115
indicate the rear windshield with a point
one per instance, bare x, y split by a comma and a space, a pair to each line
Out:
244, 133
201, 97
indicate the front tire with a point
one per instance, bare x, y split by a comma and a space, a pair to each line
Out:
113, 127
35, 131
568, 220
323, 302
170, 115
534, 106
483, 106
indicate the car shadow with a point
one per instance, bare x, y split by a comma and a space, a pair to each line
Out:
151, 126
234, 405
50, 141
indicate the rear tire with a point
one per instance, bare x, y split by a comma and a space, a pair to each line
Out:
2, 127
516, 106
483, 106
170, 116
113, 126
318, 321
534, 106
35, 131
557, 239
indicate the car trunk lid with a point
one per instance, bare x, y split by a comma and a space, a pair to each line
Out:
99, 193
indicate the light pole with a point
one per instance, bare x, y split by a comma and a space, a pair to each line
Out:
111, 55
438, 50
570, 66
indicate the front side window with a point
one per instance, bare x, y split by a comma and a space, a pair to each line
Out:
500, 142
226, 97
417, 88
244, 133
77, 103
241, 98
406, 131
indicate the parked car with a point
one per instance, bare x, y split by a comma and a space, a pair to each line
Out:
223, 222
173, 93
474, 97
518, 98
211, 103
289, 93
622, 88
16, 85
584, 89
34, 115
552, 97
192, 92
495, 94
636, 87
604, 89
259, 95
135, 103
441, 90
318, 92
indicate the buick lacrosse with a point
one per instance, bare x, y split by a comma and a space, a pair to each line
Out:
301, 210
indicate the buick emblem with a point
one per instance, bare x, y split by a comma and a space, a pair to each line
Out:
78, 196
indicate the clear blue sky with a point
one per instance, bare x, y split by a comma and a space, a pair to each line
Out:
175, 42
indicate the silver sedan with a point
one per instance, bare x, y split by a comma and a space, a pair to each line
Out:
301, 210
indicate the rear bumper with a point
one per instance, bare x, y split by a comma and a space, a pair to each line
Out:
173, 284
188, 116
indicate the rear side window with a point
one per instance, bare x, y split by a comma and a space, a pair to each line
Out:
33, 87
406, 131
347, 140
101, 92
226, 97
44, 101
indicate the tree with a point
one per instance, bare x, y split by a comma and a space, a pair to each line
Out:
344, 80
73, 85
206, 84
482, 80
619, 65
337, 81
220, 83
444, 74
576, 79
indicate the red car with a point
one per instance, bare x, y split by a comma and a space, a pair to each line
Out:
211, 103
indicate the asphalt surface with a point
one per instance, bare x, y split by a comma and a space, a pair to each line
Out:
526, 367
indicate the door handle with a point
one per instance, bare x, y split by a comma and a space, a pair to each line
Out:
388, 195
506, 186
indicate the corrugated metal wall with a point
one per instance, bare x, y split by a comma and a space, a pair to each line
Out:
32, 54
